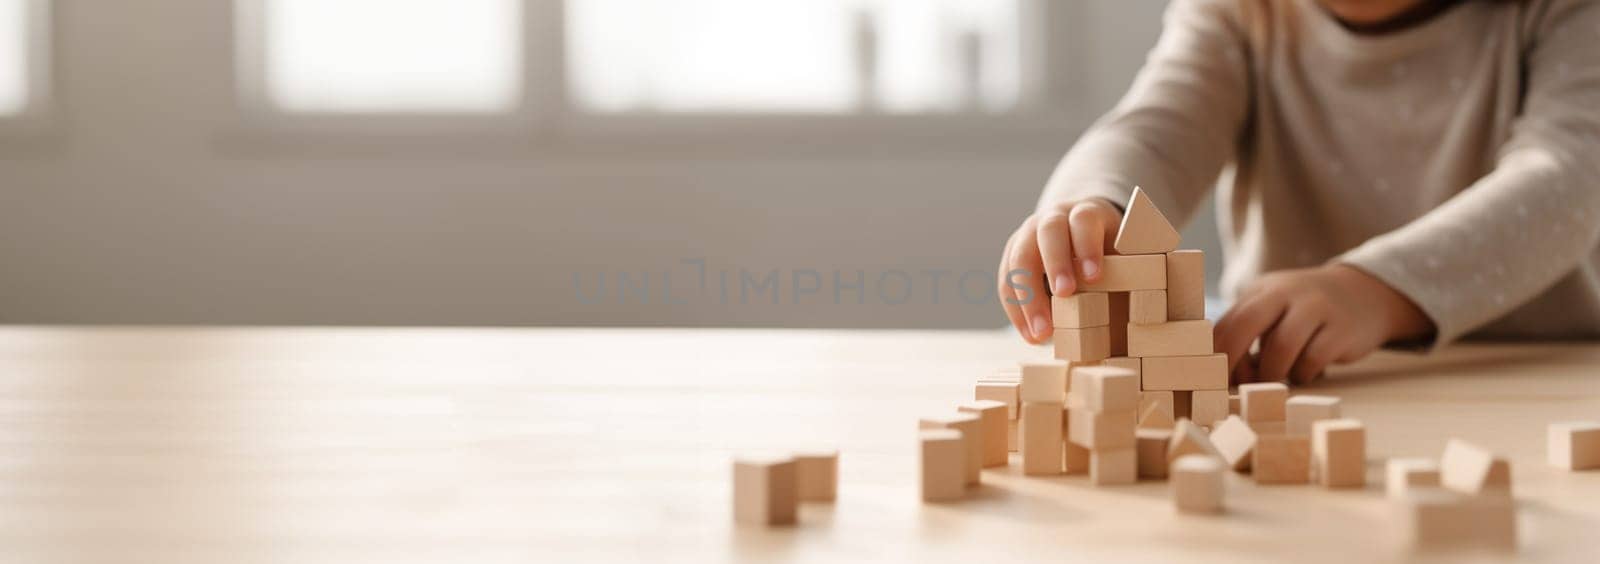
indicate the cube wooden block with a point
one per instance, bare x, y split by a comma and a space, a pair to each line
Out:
1201, 372
1106, 388
1300, 411
1124, 273
1124, 362
1151, 445
1207, 407
1434, 519
1147, 307
765, 489
1263, 401
1144, 229
1573, 445
1161, 398
971, 438
1404, 474
1234, 441
1173, 338
1186, 285
1155, 416
1188, 438
1110, 467
1339, 453
1044, 381
943, 464
817, 473
1083, 309
1040, 435
1281, 459
1119, 323
1097, 430
992, 424
1197, 483
1089, 344
1009, 393
1473, 470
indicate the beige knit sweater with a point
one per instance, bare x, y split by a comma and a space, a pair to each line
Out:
1458, 161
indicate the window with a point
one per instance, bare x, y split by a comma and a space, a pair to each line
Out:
23, 84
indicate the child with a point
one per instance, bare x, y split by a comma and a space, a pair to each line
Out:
1390, 170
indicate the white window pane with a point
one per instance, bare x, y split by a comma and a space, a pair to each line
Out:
13, 56
393, 55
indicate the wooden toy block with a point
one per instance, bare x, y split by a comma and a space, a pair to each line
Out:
1268, 427
1144, 229
817, 474
1147, 307
943, 463
1162, 398
1234, 441
1106, 388
1096, 430
1203, 372
1173, 338
1090, 344
1281, 459
1186, 285
1263, 401
1404, 474
992, 425
1011, 435
1472, 470
1044, 381
1151, 445
1040, 435
1112, 467
765, 489
1574, 445
1339, 453
1233, 404
1432, 519
1119, 323
1188, 438
1080, 310
1207, 407
1300, 411
1009, 393
1124, 362
1156, 417
1126, 273
971, 428
1197, 483
1077, 458
1182, 404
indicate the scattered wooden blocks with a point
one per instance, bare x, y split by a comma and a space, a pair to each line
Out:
1207, 407
1044, 381
1009, 393
1106, 388
1188, 438
1173, 338
1079, 310
1197, 483
1097, 430
1300, 411
1186, 285
1125, 273
1234, 441
1040, 438
1282, 459
992, 424
971, 430
1147, 307
1473, 470
1144, 229
1196, 372
1339, 453
1574, 445
765, 488
1263, 401
1404, 474
817, 475
1156, 417
1113, 466
1089, 344
1435, 519
943, 461
1151, 445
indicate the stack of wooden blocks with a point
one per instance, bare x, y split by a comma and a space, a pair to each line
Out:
1462, 500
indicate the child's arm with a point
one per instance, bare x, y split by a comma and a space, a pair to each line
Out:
1171, 134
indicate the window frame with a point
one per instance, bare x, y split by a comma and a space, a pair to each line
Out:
37, 118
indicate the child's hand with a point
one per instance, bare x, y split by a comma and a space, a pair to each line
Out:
1311, 317
1058, 243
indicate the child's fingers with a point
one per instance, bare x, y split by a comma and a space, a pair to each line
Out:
1324, 347
1246, 322
1283, 344
1089, 237
1027, 281
1008, 298
1055, 249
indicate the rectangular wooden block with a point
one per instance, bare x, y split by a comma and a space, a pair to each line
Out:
817, 473
1472, 470
1234, 441
1147, 307
971, 438
1080, 310
1040, 432
1186, 285
1112, 467
992, 424
1339, 453
1404, 474
1106, 388
1263, 401
1207, 407
1281, 459
1573, 445
1204, 372
943, 464
1044, 381
1151, 445
1197, 483
1096, 430
1009, 393
1300, 411
1119, 323
1124, 362
1173, 338
765, 490
1089, 344
1123, 273
1429, 519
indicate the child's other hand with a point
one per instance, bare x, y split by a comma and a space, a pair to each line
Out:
1060, 243
1309, 318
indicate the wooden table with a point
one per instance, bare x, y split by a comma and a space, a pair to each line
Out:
449, 445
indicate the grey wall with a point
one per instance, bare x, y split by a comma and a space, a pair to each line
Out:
144, 208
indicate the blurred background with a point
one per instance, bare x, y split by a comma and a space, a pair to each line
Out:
775, 163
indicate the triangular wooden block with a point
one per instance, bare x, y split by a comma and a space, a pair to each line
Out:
1155, 417
1145, 231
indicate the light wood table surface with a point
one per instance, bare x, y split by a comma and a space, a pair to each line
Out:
453, 445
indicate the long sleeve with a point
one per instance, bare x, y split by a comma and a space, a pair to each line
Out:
1178, 124
1530, 221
